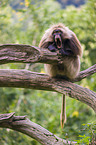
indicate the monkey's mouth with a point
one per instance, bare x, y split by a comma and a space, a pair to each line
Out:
58, 41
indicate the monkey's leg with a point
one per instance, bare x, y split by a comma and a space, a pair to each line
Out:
63, 111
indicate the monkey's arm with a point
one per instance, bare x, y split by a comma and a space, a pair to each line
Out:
63, 52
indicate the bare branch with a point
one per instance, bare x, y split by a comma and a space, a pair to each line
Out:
28, 79
83, 74
25, 126
10, 53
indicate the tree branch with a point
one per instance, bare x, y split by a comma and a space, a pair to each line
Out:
28, 79
24, 125
83, 74
10, 53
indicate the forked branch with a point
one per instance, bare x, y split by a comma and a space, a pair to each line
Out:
26, 79
18, 53
31, 80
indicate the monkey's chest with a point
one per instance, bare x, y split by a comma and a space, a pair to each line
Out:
61, 70
60, 67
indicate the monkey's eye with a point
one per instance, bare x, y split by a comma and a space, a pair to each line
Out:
57, 31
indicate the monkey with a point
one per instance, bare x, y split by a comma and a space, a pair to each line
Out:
60, 38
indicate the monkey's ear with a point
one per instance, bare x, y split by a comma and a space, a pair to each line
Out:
75, 45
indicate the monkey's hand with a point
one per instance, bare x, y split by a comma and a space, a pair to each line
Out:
52, 47
67, 52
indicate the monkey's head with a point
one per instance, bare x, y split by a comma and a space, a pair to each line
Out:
59, 37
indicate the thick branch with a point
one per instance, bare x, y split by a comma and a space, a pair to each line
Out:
10, 53
25, 126
28, 79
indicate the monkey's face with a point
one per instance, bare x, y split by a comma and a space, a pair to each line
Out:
66, 46
59, 37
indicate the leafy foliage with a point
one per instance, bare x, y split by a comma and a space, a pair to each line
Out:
90, 128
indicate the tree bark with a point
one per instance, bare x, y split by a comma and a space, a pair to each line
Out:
31, 80
25, 126
10, 53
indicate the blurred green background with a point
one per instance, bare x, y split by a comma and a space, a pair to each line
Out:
24, 22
